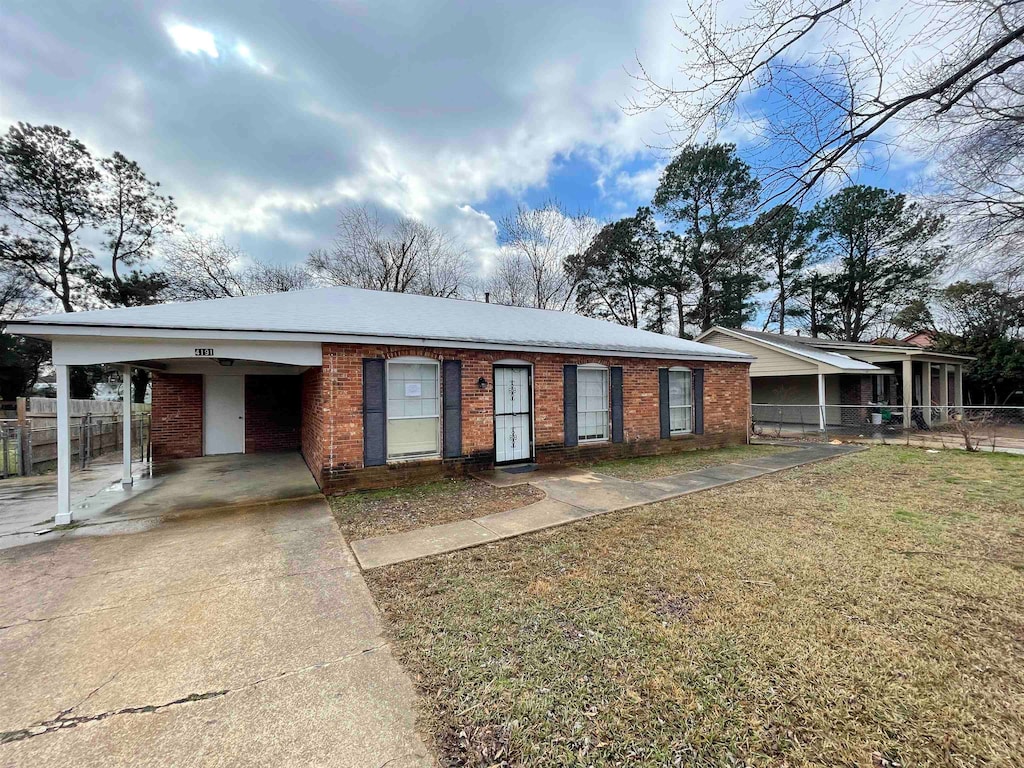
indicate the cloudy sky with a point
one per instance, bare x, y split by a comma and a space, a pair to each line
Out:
263, 119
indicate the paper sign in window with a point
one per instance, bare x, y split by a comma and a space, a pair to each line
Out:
413, 389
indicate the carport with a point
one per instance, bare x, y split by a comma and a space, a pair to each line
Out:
220, 393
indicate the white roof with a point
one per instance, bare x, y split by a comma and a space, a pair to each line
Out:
356, 315
793, 346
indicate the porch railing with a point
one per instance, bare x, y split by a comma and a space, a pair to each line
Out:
972, 426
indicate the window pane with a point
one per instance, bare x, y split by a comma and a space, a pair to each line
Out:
592, 404
412, 409
412, 437
680, 388
679, 419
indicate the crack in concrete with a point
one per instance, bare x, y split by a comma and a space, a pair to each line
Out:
63, 721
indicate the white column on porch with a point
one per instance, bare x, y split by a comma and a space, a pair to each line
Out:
63, 516
126, 426
943, 392
958, 388
926, 393
907, 390
821, 401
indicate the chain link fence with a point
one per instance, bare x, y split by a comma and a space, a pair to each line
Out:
971, 427
31, 449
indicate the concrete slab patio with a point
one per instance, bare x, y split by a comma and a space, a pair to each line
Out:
573, 494
101, 506
239, 637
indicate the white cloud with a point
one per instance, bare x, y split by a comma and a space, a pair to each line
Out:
425, 111
189, 39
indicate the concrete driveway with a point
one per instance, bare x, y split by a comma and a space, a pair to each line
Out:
239, 636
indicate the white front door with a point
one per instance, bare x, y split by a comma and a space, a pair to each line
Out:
223, 414
512, 427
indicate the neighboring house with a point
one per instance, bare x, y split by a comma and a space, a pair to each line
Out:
378, 388
921, 339
824, 375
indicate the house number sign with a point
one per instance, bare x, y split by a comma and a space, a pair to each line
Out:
204, 351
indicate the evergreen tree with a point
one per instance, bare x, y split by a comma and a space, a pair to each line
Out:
708, 192
613, 275
784, 238
882, 251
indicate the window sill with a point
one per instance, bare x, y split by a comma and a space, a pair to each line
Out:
411, 459
600, 441
682, 436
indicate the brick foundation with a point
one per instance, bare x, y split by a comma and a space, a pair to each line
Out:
177, 426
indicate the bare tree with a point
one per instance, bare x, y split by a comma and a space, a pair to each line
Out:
19, 296
260, 277
838, 80
536, 243
200, 267
406, 256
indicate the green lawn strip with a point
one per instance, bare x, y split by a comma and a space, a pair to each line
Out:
799, 619
393, 510
651, 467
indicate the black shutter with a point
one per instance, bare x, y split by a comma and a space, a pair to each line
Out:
569, 405
663, 413
452, 408
698, 401
617, 431
375, 449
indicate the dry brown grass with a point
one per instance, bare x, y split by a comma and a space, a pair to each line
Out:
651, 467
393, 510
865, 611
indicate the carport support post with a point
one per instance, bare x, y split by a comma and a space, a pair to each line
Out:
926, 393
907, 391
126, 426
63, 516
958, 389
943, 392
821, 402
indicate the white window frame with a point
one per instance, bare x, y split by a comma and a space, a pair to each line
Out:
607, 403
388, 417
690, 407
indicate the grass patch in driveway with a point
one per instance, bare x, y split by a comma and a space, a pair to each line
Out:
863, 611
651, 467
394, 510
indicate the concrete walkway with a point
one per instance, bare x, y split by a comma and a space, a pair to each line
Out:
573, 494
237, 637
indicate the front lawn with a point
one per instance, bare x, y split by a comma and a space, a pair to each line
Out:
393, 510
865, 611
651, 467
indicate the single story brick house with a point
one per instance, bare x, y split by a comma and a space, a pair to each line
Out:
378, 388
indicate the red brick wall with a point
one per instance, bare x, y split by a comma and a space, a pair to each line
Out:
273, 413
177, 431
726, 412
312, 432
